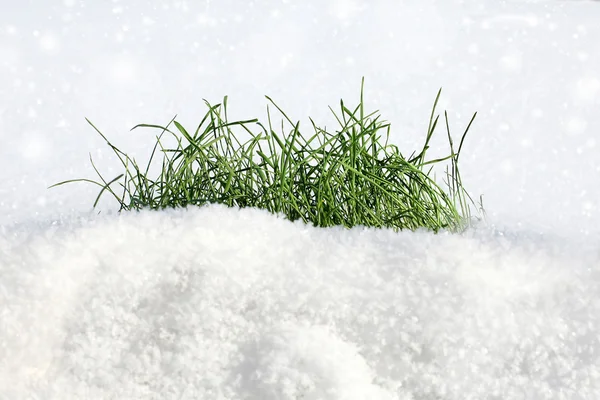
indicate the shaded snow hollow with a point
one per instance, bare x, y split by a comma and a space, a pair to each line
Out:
217, 303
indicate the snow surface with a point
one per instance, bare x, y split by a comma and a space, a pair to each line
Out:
216, 303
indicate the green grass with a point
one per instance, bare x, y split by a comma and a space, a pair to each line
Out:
348, 177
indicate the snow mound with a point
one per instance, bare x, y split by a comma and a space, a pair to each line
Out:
219, 303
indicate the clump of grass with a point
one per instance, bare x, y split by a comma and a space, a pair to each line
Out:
348, 177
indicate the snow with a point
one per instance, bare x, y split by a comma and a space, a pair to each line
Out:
218, 303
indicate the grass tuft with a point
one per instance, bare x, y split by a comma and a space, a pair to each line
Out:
349, 177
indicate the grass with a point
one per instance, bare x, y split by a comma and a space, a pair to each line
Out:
348, 177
